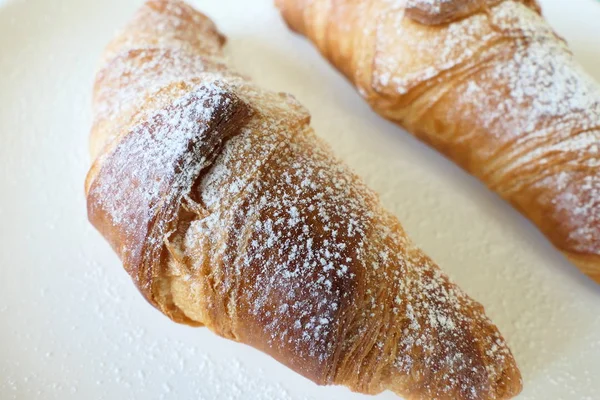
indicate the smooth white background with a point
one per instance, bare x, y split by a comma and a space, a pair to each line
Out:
72, 326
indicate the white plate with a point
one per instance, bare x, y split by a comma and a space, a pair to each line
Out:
74, 327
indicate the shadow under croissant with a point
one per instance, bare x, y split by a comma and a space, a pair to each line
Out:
530, 310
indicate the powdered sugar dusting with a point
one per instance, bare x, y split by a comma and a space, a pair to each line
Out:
155, 149
432, 51
549, 124
525, 115
282, 247
135, 74
154, 50
135, 197
305, 236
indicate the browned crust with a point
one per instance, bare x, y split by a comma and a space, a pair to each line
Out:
146, 217
228, 212
534, 159
443, 12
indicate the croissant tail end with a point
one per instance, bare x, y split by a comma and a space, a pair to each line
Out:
589, 264
503, 385
509, 384
293, 14
506, 389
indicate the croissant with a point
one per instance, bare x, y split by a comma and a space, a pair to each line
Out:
491, 86
228, 212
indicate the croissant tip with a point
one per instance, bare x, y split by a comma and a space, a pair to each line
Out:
510, 383
292, 13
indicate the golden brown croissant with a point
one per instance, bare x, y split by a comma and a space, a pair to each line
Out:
487, 83
228, 212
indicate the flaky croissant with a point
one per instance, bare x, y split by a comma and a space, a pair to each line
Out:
228, 212
490, 85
